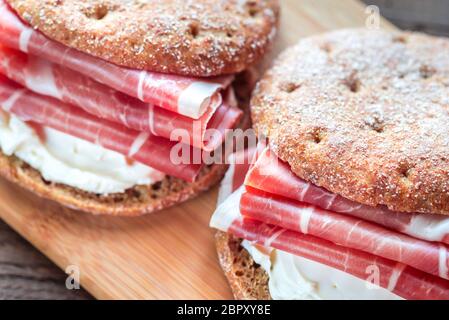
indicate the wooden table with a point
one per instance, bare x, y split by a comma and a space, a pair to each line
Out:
25, 273
168, 255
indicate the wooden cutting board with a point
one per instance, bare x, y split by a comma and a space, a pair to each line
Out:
168, 255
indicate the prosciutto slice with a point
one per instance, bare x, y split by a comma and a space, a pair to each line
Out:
142, 147
239, 163
191, 97
399, 278
346, 231
271, 175
50, 79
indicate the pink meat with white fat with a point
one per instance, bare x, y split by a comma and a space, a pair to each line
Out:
140, 146
239, 163
271, 175
272, 210
69, 86
398, 278
191, 97
404, 281
347, 231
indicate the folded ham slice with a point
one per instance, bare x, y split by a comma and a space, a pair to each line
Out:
271, 175
191, 97
398, 278
64, 84
347, 231
239, 163
142, 147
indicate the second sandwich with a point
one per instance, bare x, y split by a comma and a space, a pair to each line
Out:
350, 197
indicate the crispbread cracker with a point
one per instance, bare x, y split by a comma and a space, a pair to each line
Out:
364, 114
136, 201
200, 38
247, 279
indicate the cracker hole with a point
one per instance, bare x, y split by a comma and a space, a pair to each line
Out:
400, 39
326, 47
289, 86
253, 9
353, 83
426, 72
378, 128
239, 273
100, 13
317, 135
194, 29
375, 123
405, 171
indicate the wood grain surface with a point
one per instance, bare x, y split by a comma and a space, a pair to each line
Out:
168, 255
26, 273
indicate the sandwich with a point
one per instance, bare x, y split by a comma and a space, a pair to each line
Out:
109, 106
347, 195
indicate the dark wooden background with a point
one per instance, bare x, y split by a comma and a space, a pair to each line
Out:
26, 274
431, 16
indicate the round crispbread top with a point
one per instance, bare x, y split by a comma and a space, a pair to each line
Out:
364, 114
196, 38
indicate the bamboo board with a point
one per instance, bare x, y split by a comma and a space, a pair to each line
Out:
168, 255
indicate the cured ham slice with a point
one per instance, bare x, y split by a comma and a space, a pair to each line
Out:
399, 278
191, 97
347, 231
50, 79
239, 164
142, 147
271, 175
